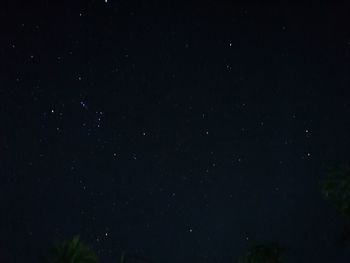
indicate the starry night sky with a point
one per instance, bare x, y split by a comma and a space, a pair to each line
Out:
179, 132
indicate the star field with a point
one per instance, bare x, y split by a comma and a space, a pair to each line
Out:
176, 132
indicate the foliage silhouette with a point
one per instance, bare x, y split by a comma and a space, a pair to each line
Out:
336, 188
71, 251
265, 253
133, 258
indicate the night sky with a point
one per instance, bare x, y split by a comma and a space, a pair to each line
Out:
181, 132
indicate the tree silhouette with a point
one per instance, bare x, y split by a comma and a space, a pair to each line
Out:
133, 258
71, 251
336, 188
265, 253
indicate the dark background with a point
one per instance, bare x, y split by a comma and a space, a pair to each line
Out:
182, 132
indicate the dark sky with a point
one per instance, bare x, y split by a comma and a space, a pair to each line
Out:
182, 132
